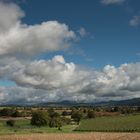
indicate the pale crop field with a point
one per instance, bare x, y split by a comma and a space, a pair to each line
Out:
75, 136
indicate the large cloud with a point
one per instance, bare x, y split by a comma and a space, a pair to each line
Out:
74, 82
9, 65
57, 80
24, 95
20, 39
51, 74
10, 15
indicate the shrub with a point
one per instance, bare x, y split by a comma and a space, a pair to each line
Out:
10, 123
91, 114
66, 120
54, 115
39, 118
98, 109
65, 113
55, 119
6, 112
16, 113
53, 122
50, 111
116, 109
59, 123
77, 116
56, 122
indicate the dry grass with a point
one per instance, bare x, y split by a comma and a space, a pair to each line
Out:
75, 136
103, 113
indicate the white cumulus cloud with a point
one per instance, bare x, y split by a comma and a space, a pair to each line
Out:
58, 80
51, 74
73, 82
10, 15
20, 39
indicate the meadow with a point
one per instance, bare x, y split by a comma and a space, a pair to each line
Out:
24, 127
77, 124
128, 123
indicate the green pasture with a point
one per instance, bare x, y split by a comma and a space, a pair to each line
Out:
24, 127
130, 123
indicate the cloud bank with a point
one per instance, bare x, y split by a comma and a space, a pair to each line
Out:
57, 80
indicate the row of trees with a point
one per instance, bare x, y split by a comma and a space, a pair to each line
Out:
122, 109
9, 112
27, 111
54, 119
49, 118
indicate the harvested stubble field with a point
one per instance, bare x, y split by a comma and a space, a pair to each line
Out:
75, 136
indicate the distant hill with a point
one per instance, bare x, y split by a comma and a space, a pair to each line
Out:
130, 102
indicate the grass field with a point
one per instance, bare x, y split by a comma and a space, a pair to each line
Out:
24, 127
129, 123
75, 136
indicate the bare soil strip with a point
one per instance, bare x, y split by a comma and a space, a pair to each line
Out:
75, 136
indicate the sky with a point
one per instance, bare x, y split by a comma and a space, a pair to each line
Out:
83, 50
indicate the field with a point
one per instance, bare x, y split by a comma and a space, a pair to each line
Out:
75, 136
24, 127
105, 126
128, 123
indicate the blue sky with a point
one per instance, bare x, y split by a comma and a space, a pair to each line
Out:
111, 39
81, 50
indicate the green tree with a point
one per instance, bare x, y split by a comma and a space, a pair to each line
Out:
116, 109
77, 116
66, 120
16, 113
56, 122
7, 112
59, 123
52, 122
65, 113
40, 118
90, 114
54, 115
10, 123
